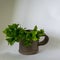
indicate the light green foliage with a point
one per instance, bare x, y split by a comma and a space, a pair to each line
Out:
14, 33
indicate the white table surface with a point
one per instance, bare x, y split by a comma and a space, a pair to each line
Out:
50, 51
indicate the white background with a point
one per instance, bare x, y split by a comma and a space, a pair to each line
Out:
43, 13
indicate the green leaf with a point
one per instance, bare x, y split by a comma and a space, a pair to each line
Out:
35, 28
10, 40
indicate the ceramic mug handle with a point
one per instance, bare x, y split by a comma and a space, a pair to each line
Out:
44, 41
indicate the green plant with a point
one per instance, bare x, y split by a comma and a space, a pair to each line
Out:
15, 33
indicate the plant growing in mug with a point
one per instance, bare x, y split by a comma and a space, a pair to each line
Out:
28, 39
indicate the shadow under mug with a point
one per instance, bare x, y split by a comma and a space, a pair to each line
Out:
33, 49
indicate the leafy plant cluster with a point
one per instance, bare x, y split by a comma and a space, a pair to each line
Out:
15, 33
